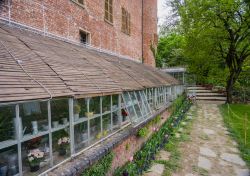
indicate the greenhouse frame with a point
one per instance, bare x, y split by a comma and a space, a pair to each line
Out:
61, 98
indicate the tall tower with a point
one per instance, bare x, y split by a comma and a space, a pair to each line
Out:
149, 36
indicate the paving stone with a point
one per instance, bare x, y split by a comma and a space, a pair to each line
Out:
189, 175
224, 163
242, 172
163, 155
204, 163
234, 150
208, 131
233, 158
155, 170
177, 135
207, 152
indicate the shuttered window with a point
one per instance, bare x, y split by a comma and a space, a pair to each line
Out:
125, 21
109, 11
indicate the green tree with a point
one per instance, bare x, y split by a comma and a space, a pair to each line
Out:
217, 31
170, 50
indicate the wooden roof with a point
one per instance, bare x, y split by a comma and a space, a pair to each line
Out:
33, 67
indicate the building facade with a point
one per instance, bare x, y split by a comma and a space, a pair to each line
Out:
123, 27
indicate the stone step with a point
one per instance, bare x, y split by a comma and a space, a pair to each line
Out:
209, 94
212, 98
201, 91
196, 88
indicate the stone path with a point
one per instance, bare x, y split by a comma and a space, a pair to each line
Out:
211, 151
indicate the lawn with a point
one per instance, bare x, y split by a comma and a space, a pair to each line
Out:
237, 119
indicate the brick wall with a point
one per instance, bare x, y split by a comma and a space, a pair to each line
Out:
149, 30
65, 18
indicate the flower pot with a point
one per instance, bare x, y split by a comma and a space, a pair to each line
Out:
76, 117
55, 124
62, 151
34, 168
89, 114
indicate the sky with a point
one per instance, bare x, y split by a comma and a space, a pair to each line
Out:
163, 11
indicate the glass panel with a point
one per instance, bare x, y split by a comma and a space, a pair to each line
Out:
59, 113
106, 104
7, 123
115, 102
94, 105
35, 155
141, 104
106, 124
60, 145
80, 110
9, 161
136, 106
81, 136
116, 119
145, 103
95, 130
34, 117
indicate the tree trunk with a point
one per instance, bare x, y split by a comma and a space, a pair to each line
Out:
229, 90
230, 83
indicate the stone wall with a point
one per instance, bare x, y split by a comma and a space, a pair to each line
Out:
65, 18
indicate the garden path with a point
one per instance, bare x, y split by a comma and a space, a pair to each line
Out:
210, 150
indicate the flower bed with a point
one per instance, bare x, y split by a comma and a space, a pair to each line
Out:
143, 158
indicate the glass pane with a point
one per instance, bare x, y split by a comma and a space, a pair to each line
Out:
106, 104
115, 102
95, 130
94, 105
35, 155
60, 145
9, 161
34, 117
59, 113
145, 103
141, 103
80, 109
136, 105
81, 136
116, 119
106, 124
7, 123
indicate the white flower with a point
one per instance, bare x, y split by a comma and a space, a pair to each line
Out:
30, 159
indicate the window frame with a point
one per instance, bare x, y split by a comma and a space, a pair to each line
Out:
108, 11
126, 22
79, 4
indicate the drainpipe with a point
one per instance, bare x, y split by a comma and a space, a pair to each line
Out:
142, 31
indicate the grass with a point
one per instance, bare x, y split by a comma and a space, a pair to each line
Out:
238, 122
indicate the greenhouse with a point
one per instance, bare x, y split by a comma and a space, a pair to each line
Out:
59, 99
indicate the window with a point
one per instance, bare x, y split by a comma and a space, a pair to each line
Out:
125, 21
79, 2
109, 11
84, 37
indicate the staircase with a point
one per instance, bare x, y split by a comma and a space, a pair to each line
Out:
205, 94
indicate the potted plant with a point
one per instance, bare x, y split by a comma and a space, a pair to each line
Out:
99, 135
63, 144
77, 110
35, 157
89, 114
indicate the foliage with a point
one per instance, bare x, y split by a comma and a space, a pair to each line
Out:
237, 124
143, 132
169, 50
101, 167
77, 109
217, 34
144, 157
